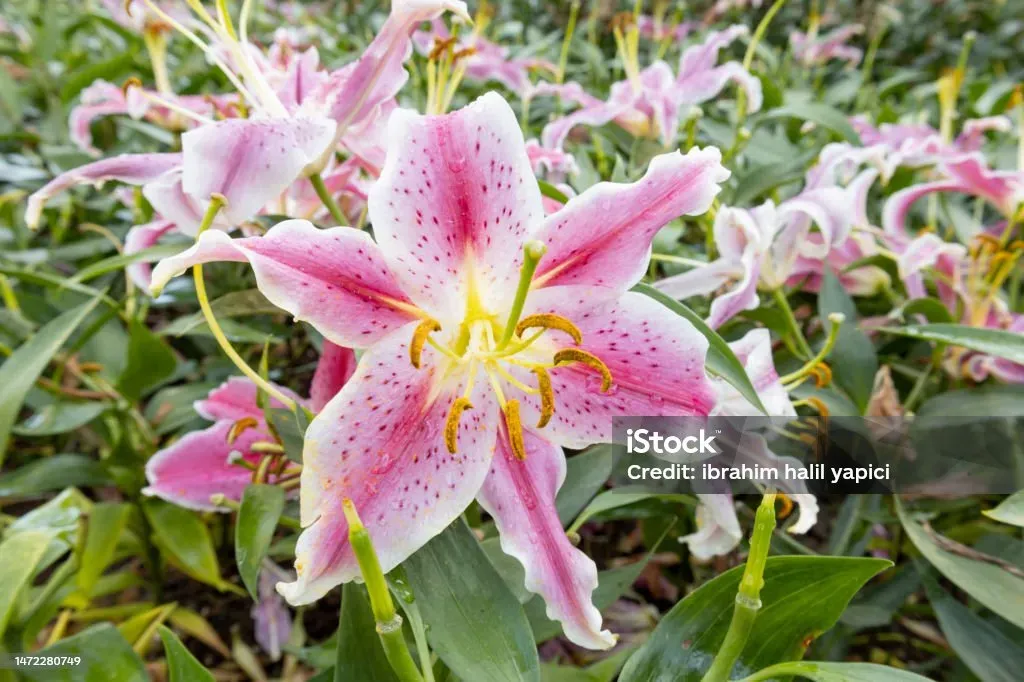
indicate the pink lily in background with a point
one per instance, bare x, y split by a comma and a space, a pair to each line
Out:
718, 529
760, 247
919, 144
657, 29
106, 99
205, 463
865, 280
483, 61
252, 162
969, 174
494, 336
821, 49
649, 101
555, 163
969, 282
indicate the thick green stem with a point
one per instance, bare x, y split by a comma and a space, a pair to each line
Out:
327, 200
389, 623
748, 599
216, 203
794, 326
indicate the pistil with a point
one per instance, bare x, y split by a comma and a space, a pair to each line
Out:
533, 251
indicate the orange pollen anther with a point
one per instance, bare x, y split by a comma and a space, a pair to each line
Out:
549, 321
515, 429
568, 356
451, 425
419, 338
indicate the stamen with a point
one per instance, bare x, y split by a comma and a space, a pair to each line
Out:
787, 505
241, 426
570, 355
515, 429
451, 425
822, 375
547, 397
419, 338
550, 321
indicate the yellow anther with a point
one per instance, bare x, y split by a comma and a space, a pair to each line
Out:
515, 429
419, 338
570, 355
549, 321
441, 45
822, 375
463, 53
240, 426
547, 397
989, 239
451, 425
819, 406
132, 82
623, 21
1016, 245
787, 505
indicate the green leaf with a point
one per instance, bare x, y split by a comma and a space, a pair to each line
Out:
989, 583
721, 361
121, 261
1010, 510
182, 666
997, 342
585, 474
463, 599
106, 522
613, 499
185, 541
60, 417
257, 520
983, 647
19, 372
150, 362
552, 192
821, 114
932, 308
105, 654
360, 654
53, 473
19, 555
853, 359
998, 400
836, 672
234, 304
802, 598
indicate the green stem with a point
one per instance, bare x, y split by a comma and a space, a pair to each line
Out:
835, 322
794, 326
533, 251
327, 200
748, 58
389, 623
748, 599
216, 203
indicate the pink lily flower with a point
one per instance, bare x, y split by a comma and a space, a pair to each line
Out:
824, 48
968, 174
649, 101
657, 29
203, 463
862, 281
968, 281
138, 17
918, 144
252, 161
555, 163
484, 60
455, 397
761, 246
106, 99
718, 529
